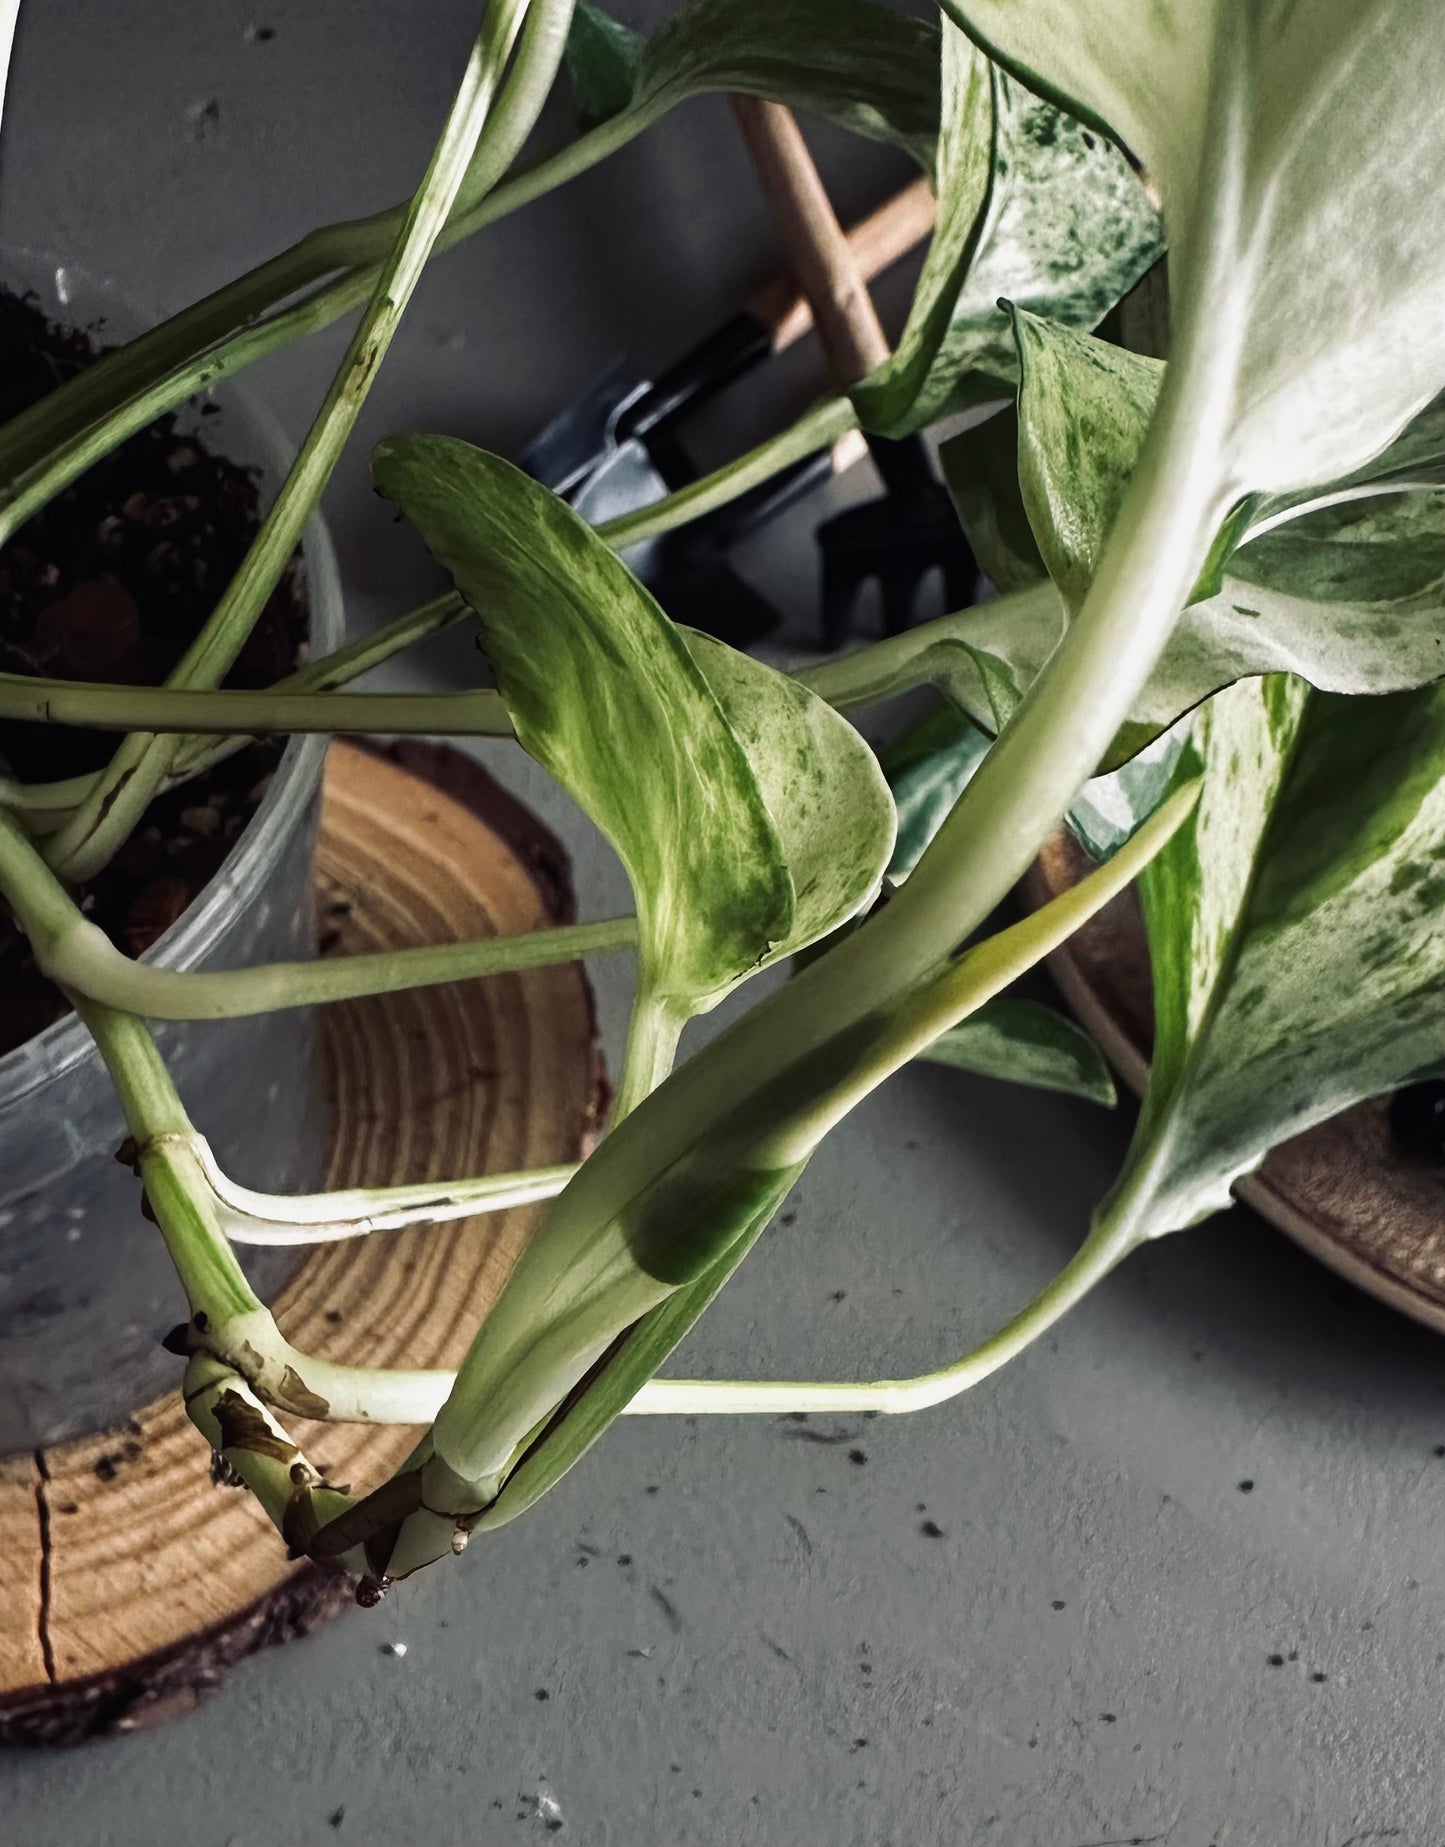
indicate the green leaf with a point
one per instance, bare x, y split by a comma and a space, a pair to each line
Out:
751, 817
1294, 928
1070, 231
1306, 290
962, 177
602, 60
859, 64
1415, 460
934, 761
981, 471
928, 769
604, 693
1137, 69
1025, 1042
1033, 205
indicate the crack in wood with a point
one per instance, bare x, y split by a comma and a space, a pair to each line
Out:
42, 1511
172, 1622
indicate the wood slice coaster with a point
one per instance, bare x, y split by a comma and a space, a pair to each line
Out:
1342, 1190
131, 1583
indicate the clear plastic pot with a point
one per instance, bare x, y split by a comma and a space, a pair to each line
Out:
86, 1288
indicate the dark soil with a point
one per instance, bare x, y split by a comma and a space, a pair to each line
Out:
112, 581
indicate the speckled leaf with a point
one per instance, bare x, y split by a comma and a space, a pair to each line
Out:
820, 782
1035, 207
604, 693
963, 171
1351, 597
1294, 927
1247, 118
937, 758
1069, 231
1137, 69
1083, 412
1110, 809
1025, 1042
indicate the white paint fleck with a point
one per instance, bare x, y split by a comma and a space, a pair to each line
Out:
397, 1649
546, 1807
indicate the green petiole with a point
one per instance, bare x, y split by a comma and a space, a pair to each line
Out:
82, 959
321, 676
188, 712
818, 428
47, 446
249, 1217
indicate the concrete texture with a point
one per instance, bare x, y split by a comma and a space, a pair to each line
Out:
1175, 1577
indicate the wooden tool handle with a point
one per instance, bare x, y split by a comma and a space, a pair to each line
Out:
877, 242
815, 243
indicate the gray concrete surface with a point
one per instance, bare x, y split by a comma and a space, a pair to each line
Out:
1050, 1615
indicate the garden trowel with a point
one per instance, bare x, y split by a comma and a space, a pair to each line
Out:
615, 448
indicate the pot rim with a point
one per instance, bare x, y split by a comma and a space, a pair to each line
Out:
63, 1045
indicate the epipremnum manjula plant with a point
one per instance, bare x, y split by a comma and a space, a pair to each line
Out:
1216, 649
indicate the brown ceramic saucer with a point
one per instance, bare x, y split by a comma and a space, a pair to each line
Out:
1341, 1190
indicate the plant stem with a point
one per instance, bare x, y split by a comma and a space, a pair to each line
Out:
940, 653
335, 670
977, 975
37, 448
652, 1035
228, 1322
78, 956
243, 1432
792, 1039
1120, 1226
966, 985
881, 670
417, 1397
214, 1282
818, 428
1108, 1243
183, 711
556, 1319
141, 765
306, 1385
249, 1217
196, 754
228, 994
546, 1361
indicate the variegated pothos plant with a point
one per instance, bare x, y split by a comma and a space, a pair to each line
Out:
1186, 255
